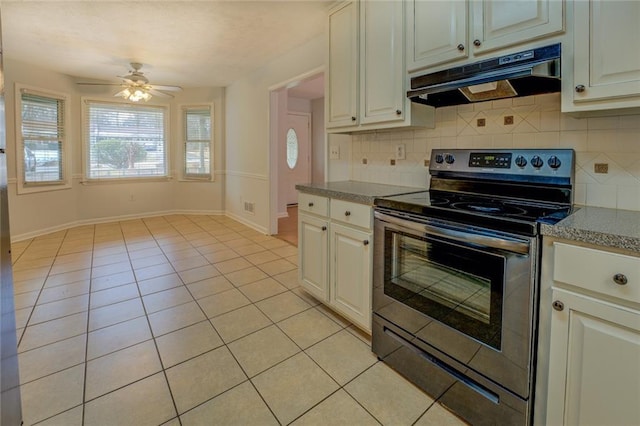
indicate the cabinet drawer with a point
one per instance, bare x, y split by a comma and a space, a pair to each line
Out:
595, 270
313, 204
351, 213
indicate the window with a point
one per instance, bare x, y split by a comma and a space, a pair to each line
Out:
41, 127
125, 140
197, 142
292, 148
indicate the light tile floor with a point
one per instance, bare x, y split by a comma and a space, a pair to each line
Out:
191, 320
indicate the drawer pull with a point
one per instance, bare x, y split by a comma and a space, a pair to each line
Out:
365, 242
310, 204
558, 305
347, 213
324, 228
620, 279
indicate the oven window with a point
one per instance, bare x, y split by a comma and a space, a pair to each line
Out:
457, 285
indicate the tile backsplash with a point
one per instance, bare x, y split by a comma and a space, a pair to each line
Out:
533, 122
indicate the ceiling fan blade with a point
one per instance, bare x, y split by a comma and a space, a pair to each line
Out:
120, 93
159, 94
99, 84
168, 88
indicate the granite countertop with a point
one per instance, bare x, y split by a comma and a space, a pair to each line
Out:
358, 192
600, 226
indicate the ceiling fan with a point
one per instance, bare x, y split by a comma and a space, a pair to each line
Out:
136, 87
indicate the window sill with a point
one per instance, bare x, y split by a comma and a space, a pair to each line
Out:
125, 180
32, 188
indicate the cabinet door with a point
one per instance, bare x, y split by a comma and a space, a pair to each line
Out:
342, 78
606, 50
498, 24
381, 61
436, 33
350, 274
594, 363
312, 255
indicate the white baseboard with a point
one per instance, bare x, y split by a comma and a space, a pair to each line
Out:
121, 218
248, 223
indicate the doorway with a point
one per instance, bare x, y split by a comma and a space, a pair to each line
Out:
297, 147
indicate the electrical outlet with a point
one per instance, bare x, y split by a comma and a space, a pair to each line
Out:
601, 168
334, 152
481, 122
508, 120
427, 163
392, 162
365, 161
400, 152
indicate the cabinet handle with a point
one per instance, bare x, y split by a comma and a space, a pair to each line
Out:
580, 88
477, 42
461, 47
310, 204
324, 228
398, 112
353, 118
620, 279
365, 242
558, 305
347, 213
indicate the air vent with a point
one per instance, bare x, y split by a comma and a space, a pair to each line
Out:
249, 207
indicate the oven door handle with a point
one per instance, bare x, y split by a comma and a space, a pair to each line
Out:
502, 242
508, 244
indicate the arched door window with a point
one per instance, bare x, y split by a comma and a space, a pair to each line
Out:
292, 148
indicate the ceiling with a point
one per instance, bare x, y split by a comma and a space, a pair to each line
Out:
186, 43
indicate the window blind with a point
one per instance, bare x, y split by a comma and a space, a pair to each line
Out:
43, 133
197, 149
125, 140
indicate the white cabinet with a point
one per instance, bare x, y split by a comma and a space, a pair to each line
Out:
350, 273
342, 80
312, 243
367, 82
440, 32
437, 33
335, 255
381, 60
605, 69
594, 356
500, 24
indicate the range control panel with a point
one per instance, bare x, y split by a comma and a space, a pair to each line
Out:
553, 163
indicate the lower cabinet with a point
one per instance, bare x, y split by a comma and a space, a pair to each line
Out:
335, 255
594, 375
350, 273
594, 348
312, 256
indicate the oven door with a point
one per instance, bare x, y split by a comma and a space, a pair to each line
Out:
467, 292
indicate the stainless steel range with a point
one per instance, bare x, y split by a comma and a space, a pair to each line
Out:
456, 277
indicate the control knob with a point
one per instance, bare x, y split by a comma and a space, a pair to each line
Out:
521, 161
554, 162
449, 158
537, 162
439, 159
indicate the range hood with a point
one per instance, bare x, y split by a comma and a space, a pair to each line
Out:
531, 72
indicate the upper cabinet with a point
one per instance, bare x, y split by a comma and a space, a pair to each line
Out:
342, 81
604, 72
444, 31
437, 33
367, 80
499, 24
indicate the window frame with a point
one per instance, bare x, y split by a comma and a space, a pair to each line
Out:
24, 187
86, 151
210, 177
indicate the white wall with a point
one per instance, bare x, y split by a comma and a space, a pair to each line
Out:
37, 213
318, 141
247, 132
